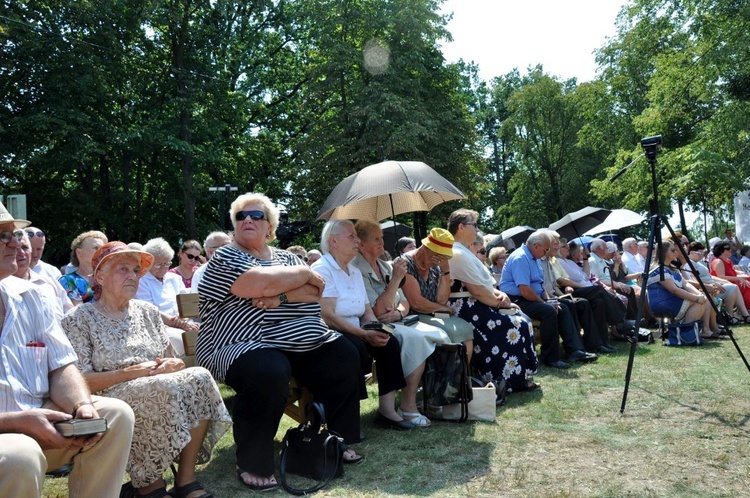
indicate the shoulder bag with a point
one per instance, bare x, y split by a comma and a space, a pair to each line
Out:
446, 380
685, 334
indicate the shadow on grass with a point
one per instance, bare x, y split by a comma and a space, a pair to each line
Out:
420, 462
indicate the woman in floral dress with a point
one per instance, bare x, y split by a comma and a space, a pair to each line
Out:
123, 352
503, 337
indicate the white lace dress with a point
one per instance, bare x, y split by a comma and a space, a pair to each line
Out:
166, 406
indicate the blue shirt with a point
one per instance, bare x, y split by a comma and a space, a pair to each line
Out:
521, 268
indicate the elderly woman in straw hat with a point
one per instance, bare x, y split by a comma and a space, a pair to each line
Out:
123, 352
503, 340
428, 285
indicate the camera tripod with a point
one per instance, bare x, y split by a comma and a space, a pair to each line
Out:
650, 146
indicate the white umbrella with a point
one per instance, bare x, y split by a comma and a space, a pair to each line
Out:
618, 218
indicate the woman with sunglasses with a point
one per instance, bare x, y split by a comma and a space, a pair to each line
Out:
722, 267
503, 340
672, 297
190, 260
261, 324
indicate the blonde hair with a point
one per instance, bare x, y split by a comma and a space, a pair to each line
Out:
78, 242
269, 209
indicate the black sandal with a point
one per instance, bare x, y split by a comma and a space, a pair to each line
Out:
746, 319
184, 491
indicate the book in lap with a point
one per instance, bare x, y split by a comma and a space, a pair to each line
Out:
380, 326
81, 426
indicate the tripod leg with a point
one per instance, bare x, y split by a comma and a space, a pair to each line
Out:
654, 237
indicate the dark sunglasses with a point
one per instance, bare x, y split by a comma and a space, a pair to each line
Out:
6, 237
31, 234
482, 251
190, 256
254, 215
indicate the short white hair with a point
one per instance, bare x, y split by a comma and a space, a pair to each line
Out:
628, 243
597, 244
331, 229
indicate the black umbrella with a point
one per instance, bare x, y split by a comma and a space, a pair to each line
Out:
579, 222
392, 231
511, 238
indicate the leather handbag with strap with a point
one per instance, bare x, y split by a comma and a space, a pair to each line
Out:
311, 450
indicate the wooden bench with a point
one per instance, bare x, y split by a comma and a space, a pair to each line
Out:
299, 396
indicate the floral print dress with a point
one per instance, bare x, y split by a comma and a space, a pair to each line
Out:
166, 406
503, 344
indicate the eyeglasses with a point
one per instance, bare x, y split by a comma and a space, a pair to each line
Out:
482, 251
38, 233
6, 237
190, 256
166, 264
254, 215
471, 223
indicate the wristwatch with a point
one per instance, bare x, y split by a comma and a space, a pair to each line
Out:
283, 299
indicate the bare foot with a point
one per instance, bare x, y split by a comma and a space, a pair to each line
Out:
254, 480
351, 456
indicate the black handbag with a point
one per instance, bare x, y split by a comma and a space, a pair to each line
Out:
446, 380
311, 450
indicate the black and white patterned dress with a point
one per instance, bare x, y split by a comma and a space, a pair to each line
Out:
231, 325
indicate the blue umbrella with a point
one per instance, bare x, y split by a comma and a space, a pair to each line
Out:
584, 241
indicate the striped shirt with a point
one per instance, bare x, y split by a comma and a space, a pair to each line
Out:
32, 344
231, 326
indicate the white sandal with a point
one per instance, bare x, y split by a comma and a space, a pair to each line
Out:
415, 418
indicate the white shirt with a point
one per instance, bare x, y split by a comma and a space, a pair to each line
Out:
55, 292
197, 276
600, 269
161, 294
24, 370
467, 268
47, 270
575, 272
349, 290
632, 263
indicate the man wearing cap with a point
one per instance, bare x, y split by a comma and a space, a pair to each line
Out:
38, 240
40, 385
523, 281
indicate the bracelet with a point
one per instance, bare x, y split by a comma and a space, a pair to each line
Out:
78, 405
444, 273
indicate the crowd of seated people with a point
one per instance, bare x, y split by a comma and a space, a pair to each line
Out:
268, 315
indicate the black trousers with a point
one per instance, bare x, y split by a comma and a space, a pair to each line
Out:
388, 361
553, 324
594, 325
260, 379
600, 299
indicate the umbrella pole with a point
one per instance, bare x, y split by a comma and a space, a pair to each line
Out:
393, 224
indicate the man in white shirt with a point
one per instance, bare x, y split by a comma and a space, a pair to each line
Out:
41, 385
55, 292
630, 256
38, 241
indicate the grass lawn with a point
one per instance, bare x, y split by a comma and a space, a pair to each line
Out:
684, 433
